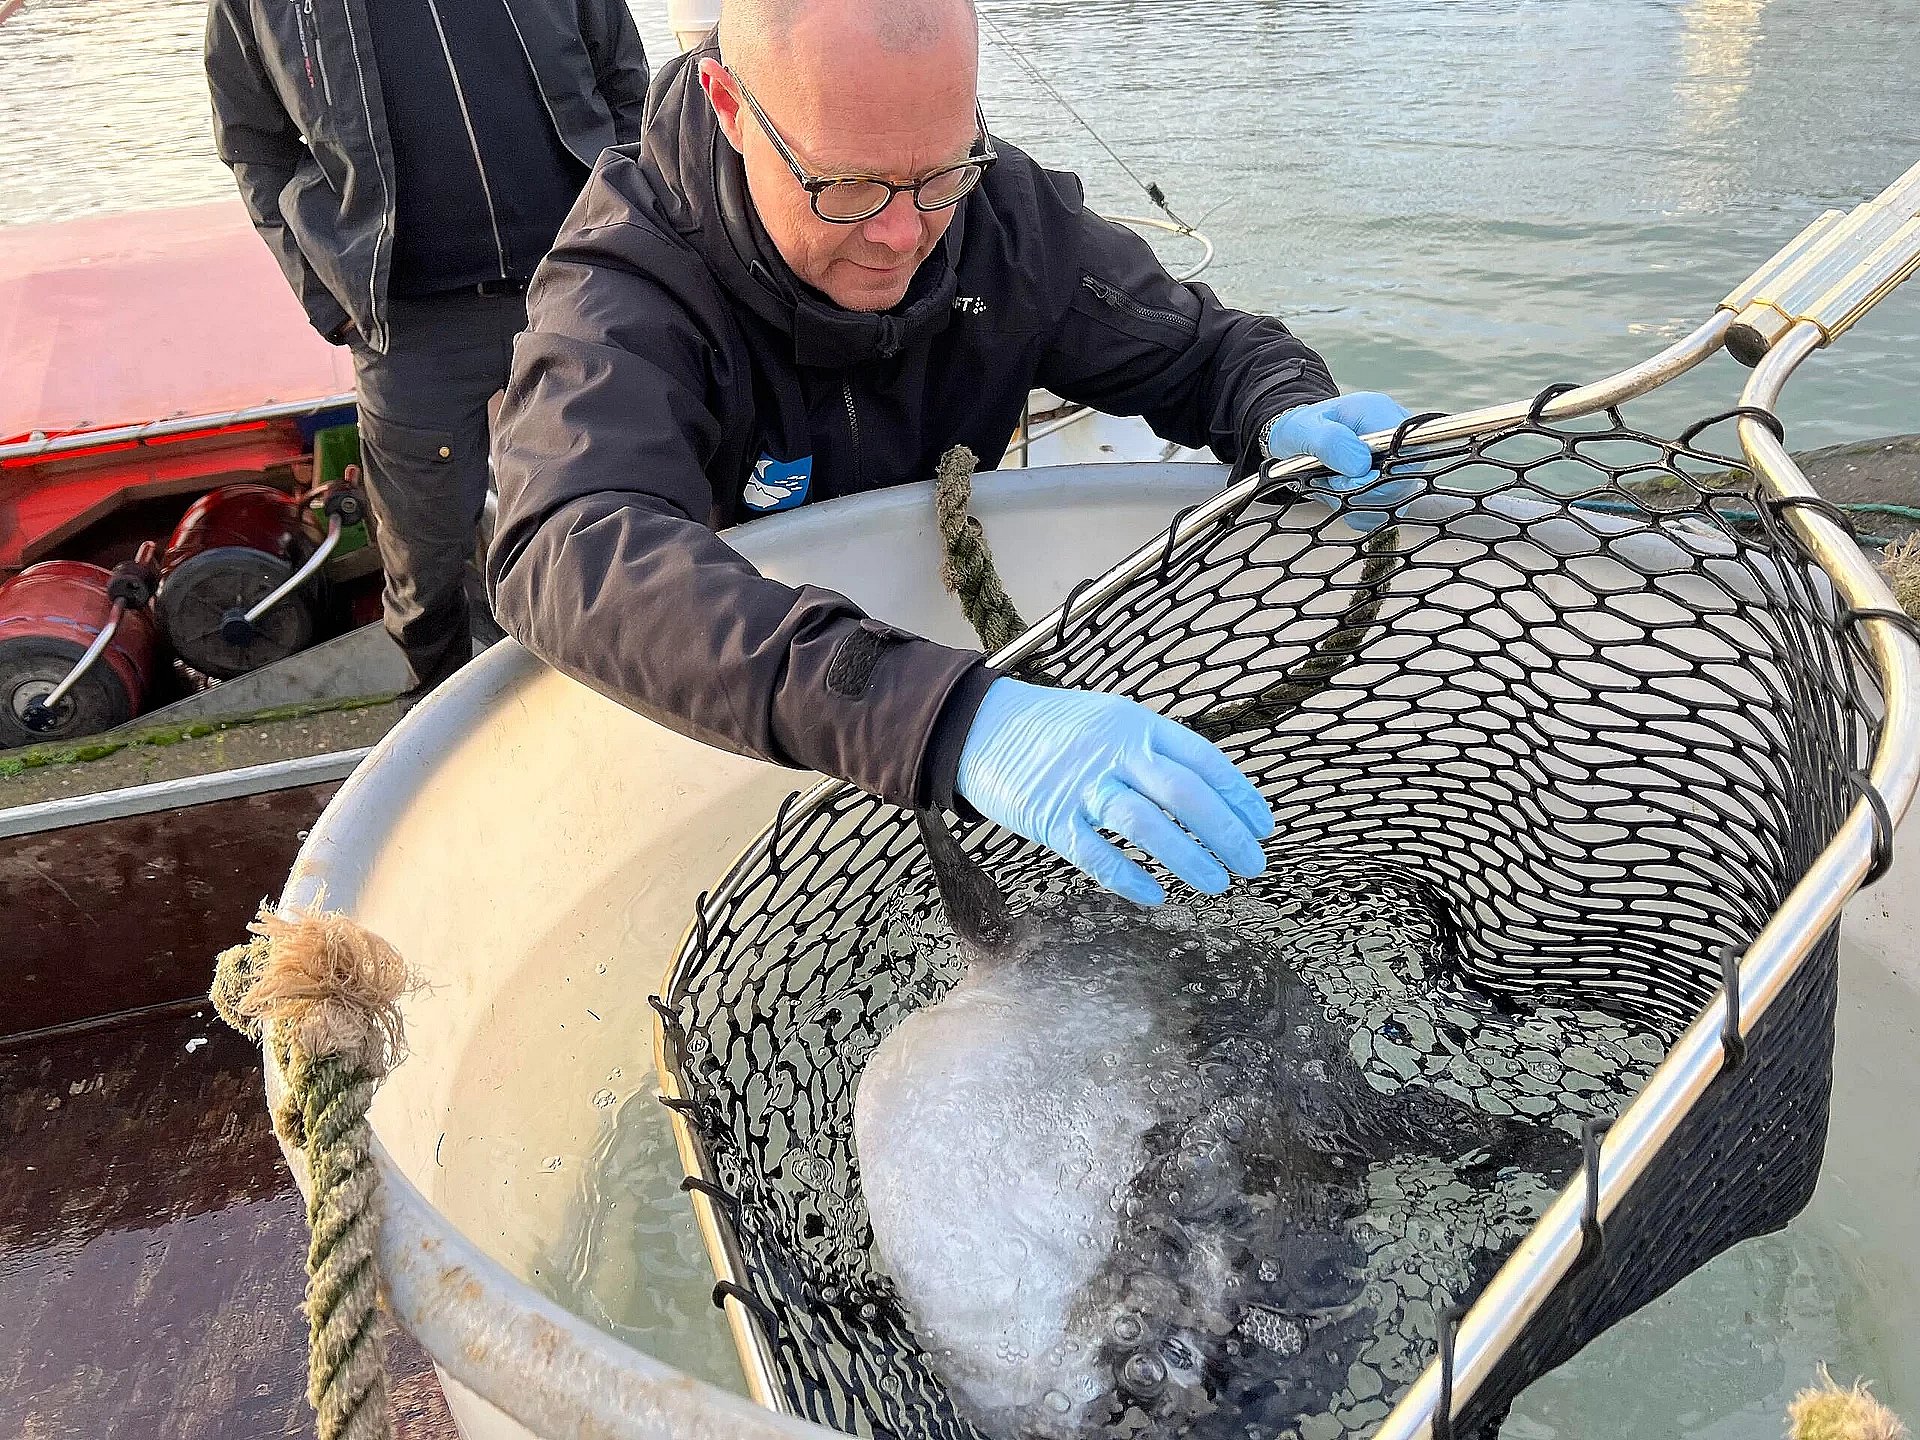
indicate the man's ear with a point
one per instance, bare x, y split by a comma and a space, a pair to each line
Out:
724, 98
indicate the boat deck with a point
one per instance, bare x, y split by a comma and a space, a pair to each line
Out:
152, 1243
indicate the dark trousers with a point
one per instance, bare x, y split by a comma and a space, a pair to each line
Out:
423, 451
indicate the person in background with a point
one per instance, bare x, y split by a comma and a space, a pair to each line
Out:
817, 272
409, 162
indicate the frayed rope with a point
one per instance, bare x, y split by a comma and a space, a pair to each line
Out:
322, 993
1826, 1412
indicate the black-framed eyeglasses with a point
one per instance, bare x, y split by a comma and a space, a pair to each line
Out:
849, 199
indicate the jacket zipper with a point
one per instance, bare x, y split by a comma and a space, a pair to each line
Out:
552, 119
380, 165
853, 428
1126, 304
473, 140
319, 56
302, 13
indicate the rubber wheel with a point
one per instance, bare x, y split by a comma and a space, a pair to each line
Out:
197, 594
31, 666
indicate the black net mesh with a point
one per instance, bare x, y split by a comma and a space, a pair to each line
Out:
1587, 701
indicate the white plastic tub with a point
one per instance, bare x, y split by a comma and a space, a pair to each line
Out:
536, 850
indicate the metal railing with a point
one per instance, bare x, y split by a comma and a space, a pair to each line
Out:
40, 446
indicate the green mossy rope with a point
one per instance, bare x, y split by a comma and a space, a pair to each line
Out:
98, 747
968, 570
321, 992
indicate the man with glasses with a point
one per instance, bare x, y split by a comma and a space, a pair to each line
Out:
816, 273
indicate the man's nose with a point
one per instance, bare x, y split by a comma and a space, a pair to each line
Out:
897, 227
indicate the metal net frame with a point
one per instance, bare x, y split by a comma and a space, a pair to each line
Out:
1631, 712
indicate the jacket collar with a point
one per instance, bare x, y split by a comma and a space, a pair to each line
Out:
710, 206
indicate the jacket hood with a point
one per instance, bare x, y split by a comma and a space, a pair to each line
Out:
702, 185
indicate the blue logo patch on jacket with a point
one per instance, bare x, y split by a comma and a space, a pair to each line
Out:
777, 484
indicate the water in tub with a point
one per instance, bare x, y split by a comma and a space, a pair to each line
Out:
1717, 1359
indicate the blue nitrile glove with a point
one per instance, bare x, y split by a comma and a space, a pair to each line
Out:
1058, 766
1330, 431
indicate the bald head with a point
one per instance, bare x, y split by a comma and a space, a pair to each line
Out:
752, 31
870, 88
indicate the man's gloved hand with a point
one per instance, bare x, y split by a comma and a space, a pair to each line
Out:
1057, 766
1330, 431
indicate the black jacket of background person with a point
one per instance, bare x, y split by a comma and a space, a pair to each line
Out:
676, 377
299, 117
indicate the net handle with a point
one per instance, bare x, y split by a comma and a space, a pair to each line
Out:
1830, 274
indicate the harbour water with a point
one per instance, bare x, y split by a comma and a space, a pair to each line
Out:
1458, 201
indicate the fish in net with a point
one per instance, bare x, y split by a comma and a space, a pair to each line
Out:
1211, 1169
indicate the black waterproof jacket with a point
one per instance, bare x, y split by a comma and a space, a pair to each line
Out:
298, 118
675, 377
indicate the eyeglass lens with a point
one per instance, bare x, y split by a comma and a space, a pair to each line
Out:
860, 199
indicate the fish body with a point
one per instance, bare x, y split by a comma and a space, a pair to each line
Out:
1135, 1175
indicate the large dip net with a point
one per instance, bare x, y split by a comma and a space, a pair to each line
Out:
1605, 707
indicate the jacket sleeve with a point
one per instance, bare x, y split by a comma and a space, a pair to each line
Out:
1135, 341
619, 64
605, 566
257, 140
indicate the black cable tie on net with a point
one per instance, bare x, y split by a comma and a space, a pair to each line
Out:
1442, 1427
1405, 428
1882, 826
695, 1183
700, 934
1066, 611
1900, 619
684, 1108
1733, 1045
1593, 1234
1173, 538
669, 1017
1819, 504
1536, 412
758, 1307
1773, 423
776, 832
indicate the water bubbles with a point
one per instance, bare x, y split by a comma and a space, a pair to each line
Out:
603, 1098
1143, 1372
1127, 1329
1057, 1401
551, 1163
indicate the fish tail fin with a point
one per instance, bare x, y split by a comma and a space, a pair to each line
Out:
976, 908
